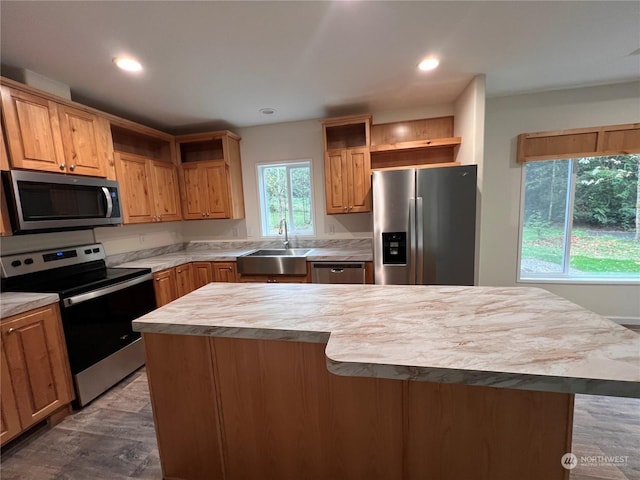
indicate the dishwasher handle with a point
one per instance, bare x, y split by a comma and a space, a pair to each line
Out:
338, 272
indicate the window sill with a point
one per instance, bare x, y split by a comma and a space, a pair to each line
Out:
582, 280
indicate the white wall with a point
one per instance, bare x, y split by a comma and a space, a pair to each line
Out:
129, 238
507, 117
295, 141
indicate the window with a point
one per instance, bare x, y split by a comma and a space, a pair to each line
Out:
286, 193
580, 219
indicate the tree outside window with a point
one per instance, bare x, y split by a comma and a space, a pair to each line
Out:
285, 193
581, 219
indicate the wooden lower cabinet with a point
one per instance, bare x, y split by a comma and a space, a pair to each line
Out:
166, 288
270, 409
225, 272
202, 274
36, 379
173, 283
184, 279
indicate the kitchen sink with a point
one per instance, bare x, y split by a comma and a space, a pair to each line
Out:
283, 261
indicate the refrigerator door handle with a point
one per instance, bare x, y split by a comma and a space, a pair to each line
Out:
412, 241
419, 221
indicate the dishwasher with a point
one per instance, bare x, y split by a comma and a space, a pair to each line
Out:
337, 272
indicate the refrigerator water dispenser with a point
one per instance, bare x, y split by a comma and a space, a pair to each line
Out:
394, 248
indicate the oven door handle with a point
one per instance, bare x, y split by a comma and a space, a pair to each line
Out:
83, 297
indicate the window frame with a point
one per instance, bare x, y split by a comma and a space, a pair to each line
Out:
565, 277
261, 198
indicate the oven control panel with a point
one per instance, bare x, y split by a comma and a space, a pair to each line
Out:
31, 262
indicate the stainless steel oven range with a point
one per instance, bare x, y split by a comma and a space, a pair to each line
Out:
97, 305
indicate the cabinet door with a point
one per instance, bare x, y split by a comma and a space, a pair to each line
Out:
9, 416
336, 182
225, 272
359, 180
81, 141
135, 194
37, 360
164, 185
217, 192
193, 187
202, 274
184, 279
165, 286
33, 131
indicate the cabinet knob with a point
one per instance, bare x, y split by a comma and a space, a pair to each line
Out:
346, 209
203, 214
72, 168
207, 214
11, 330
62, 166
157, 279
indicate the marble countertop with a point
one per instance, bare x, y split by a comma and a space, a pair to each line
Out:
13, 303
169, 260
521, 338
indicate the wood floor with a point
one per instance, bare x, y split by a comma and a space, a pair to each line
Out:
113, 439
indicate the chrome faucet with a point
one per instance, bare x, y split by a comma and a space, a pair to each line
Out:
286, 233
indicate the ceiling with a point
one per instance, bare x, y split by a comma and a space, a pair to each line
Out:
215, 64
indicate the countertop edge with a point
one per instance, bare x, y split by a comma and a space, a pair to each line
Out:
516, 381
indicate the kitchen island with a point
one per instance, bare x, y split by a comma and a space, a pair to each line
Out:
294, 381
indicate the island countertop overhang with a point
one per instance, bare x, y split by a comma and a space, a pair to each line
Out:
510, 337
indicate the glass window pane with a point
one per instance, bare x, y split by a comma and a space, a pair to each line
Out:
543, 231
604, 238
285, 193
301, 222
275, 188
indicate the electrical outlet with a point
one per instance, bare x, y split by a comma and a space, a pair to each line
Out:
249, 232
234, 232
142, 239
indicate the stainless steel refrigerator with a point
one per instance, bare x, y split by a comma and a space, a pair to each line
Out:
424, 223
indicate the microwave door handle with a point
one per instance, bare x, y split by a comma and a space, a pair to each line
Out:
107, 197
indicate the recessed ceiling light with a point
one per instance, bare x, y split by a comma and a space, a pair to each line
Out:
128, 64
267, 111
428, 64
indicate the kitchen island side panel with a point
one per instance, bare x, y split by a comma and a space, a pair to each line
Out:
185, 406
272, 410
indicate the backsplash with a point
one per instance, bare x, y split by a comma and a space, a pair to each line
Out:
120, 258
346, 244
350, 243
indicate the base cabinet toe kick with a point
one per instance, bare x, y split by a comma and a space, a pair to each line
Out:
231, 408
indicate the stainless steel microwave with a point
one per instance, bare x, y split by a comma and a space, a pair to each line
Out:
52, 201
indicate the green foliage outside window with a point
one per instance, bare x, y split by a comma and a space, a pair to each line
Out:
581, 217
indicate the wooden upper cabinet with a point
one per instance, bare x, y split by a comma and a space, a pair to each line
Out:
347, 164
54, 137
5, 223
33, 131
211, 176
135, 195
82, 143
148, 189
37, 364
206, 190
164, 187
348, 181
